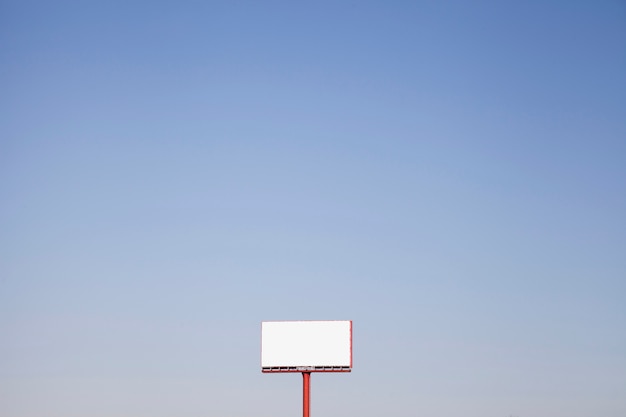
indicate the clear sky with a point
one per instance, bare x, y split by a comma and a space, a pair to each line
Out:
450, 175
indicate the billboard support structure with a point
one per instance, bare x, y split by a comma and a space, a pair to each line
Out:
306, 394
306, 347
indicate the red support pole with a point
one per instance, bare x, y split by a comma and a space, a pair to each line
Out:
306, 392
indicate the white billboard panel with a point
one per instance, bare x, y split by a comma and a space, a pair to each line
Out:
293, 346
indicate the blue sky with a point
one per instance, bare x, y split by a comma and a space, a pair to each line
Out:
451, 176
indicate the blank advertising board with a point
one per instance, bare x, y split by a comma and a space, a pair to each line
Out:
296, 346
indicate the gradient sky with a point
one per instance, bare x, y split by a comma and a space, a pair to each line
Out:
450, 175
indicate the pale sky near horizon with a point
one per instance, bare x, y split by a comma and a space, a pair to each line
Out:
449, 175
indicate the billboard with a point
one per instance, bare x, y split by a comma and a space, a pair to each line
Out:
296, 346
